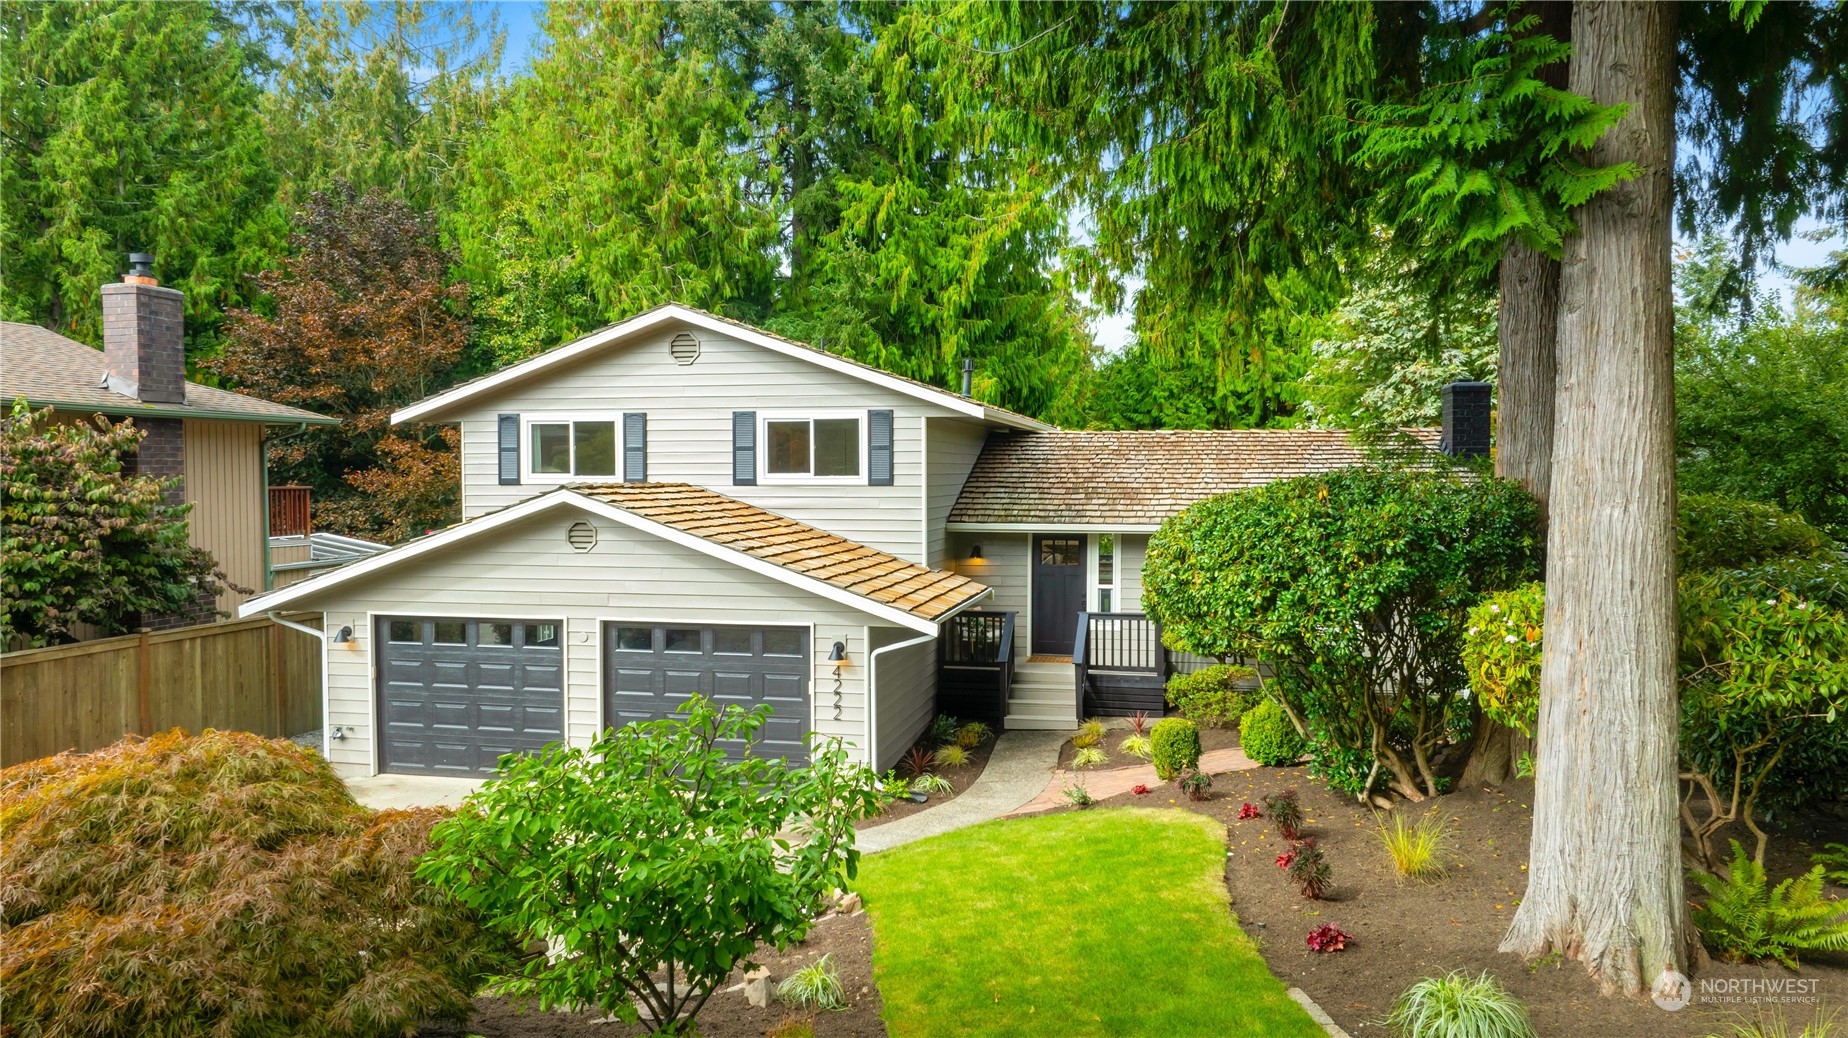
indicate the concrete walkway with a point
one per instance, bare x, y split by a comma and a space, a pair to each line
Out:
381, 792
1016, 771
1117, 781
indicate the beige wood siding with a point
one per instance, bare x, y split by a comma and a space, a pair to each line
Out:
224, 484
689, 410
904, 689
952, 445
1003, 567
529, 571
1132, 552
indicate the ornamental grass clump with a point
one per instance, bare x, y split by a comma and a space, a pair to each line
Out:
221, 884
815, 986
1458, 1005
1416, 848
1089, 757
1089, 734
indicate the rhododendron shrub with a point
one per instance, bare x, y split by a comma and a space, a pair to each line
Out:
217, 885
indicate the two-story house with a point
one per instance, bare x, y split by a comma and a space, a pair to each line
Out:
680, 503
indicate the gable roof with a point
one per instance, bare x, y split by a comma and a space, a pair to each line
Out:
432, 408
812, 560
50, 370
1136, 479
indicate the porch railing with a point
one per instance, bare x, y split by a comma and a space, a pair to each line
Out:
976, 666
1122, 666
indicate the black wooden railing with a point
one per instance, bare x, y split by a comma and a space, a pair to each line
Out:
1122, 666
976, 666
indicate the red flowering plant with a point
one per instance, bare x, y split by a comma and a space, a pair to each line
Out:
1327, 938
1139, 789
1309, 869
1249, 810
1286, 859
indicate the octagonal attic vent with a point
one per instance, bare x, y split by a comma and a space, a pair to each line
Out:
582, 536
685, 348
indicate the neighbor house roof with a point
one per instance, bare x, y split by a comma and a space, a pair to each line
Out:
1137, 479
873, 581
50, 370
433, 408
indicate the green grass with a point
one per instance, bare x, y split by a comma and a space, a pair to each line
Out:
1090, 923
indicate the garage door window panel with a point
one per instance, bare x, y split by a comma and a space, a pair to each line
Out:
456, 695
736, 668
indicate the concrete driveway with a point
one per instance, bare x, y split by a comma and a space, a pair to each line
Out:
387, 791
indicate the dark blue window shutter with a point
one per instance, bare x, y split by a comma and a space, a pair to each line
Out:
744, 448
509, 449
635, 448
879, 448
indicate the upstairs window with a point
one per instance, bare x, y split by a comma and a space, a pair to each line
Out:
578, 447
813, 448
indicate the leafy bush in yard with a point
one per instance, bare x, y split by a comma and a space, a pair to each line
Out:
1198, 785
1286, 813
1834, 861
1459, 1006
1267, 736
1213, 697
1717, 532
932, 785
651, 863
943, 729
1501, 652
1354, 586
220, 884
970, 735
1328, 938
917, 762
1174, 746
1746, 919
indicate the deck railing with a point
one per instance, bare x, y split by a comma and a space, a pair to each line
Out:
1122, 666
288, 512
976, 666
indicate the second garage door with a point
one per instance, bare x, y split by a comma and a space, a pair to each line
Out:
455, 695
650, 670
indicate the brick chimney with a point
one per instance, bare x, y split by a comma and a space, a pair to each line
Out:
1466, 419
144, 328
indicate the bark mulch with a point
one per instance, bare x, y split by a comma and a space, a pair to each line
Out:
849, 939
1405, 930
961, 778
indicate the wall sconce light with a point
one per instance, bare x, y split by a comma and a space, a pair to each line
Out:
838, 654
975, 553
344, 636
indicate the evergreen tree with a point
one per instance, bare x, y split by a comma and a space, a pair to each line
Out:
131, 127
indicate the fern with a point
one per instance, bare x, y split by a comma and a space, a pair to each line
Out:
1834, 861
1744, 918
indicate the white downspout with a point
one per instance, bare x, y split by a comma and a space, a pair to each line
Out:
872, 698
327, 745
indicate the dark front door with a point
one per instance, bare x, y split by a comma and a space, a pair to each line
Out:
1058, 593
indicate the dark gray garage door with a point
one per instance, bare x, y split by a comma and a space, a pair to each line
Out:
651, 670
454, 695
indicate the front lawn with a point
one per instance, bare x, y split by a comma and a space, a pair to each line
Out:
1091, 923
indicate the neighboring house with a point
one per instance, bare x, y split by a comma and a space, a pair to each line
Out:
211, 439
297, 551
679, 503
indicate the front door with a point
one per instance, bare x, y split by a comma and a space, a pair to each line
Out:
1058, 593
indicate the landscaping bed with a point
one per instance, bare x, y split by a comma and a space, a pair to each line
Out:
1210, 739
848, 939
959, 778
1405, 930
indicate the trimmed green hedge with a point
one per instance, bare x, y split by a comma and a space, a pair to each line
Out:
1174, 745
1267, 735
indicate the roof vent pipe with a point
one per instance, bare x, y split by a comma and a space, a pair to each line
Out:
968, 370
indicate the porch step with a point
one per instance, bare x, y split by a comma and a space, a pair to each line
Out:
1043, 696
1039, 723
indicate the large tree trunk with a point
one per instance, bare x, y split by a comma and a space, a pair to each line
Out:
1605, 880
1527, 324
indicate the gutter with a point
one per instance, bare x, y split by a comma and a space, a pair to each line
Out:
145, 411
321, 636
872, 694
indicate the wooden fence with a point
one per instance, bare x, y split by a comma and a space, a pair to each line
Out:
251, 675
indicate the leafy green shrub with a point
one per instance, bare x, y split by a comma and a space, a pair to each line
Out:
1213, 697
1286, 813
1416, 848
1747, 919
1834, 861
1501, 652
1717, 532
970, 735
650, 847
1135, 746
1077, 794
943, 729
1298, 573
893, 787
1089, 757
952, 756
1198, 785
1174, 747
1267, 736
1089, 734
1459, 1006
156, 886
815, 986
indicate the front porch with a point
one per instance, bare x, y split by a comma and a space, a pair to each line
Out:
1118, 667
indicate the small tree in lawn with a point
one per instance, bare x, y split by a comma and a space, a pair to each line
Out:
1353, 585
86, 540
650, 863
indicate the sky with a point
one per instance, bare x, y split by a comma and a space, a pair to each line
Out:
1112, 331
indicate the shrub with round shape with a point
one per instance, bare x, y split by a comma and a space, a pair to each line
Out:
1174, 746
154, 885
1214, 697
1268, 737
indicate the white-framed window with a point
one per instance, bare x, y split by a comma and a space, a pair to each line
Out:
565, 448
1104, 573
812, 447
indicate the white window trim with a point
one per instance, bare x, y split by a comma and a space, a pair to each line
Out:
527, 475
765, 476
1094, 556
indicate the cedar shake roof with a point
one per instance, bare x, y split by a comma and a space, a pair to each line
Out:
1138, 478
50, 370
919, 590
